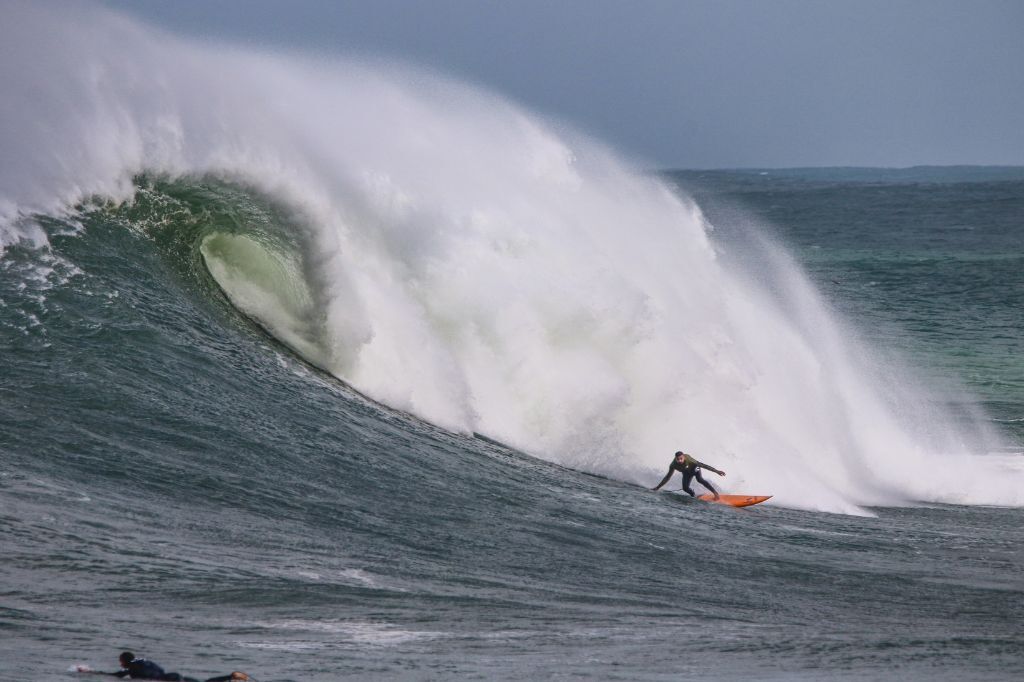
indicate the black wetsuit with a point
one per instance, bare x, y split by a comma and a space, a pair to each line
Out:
691, 472
690, 469
143, 669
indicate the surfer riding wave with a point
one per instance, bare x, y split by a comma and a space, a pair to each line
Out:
690, 469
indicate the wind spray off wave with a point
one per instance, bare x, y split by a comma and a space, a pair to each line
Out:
451, 255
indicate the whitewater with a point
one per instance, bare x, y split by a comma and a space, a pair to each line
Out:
456, 257
329, 367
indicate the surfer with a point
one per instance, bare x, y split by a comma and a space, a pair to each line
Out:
690, 469
142, 669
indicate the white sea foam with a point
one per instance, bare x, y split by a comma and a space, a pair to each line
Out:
340, 631
465, 261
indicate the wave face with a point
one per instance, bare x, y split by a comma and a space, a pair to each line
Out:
450, 255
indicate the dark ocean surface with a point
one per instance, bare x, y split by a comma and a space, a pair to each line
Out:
176, 481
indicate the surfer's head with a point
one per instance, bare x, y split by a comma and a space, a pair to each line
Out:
680, 453
126, 657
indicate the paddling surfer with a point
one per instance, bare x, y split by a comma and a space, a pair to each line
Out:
143, 669
690, 469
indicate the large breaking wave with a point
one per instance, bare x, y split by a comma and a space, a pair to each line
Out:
451, 255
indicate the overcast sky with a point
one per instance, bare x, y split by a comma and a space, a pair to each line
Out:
694, 83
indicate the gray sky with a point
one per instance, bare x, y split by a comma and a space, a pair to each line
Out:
694, 83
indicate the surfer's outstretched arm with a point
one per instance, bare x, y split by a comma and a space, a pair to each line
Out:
671, 470
702, 465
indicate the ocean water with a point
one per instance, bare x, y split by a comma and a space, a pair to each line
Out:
330, 370
929, 259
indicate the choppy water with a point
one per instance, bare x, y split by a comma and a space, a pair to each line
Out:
252, 417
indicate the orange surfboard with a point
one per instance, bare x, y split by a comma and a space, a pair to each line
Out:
735, 500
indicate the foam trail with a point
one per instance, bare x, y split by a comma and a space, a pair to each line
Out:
463, 261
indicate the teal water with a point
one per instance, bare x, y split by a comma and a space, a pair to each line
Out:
176, 480
327, 369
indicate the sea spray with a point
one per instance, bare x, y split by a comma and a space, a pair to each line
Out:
460, 259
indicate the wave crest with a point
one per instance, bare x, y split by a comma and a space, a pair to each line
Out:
451, 255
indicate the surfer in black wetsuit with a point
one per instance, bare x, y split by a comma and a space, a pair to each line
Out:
690, 469
143, 669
